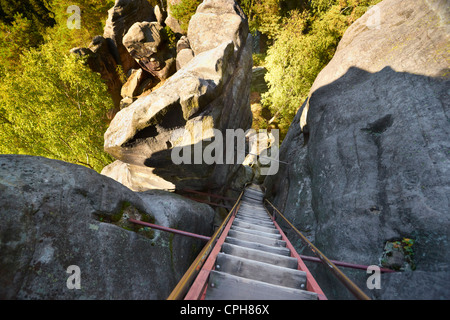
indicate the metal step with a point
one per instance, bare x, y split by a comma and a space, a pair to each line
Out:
256, 193
250, 260
223, 286
260, 271
253, 216
259, 213
258, 255
251, 200
258, 233
253, 194
248, 225
254, 210
256, 216
255, 221
256, 238
259, 246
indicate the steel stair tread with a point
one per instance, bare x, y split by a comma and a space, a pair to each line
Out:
251, 216
248, 225
256, 238
255, 221
256, 232
259, 246
223, 286
258, 255
261, 271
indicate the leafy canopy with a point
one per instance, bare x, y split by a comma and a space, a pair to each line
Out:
51, 104
306, 41
54, 107
183, 11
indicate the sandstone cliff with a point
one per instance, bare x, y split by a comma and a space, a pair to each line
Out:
56, 214
368, 151
210, 90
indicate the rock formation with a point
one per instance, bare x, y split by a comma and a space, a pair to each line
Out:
56, 215
184, 52
100, 60
107, 55
170, 21
121, 17
209, 91
148, 44
371, 165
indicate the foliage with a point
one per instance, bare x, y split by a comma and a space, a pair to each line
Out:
183, 11
404, 248
93, 18
171, 37
54, 107
27, 24
14, 39
406, 244
263, 15
37, 11
22, 25
258, 59
305, 43
51, 104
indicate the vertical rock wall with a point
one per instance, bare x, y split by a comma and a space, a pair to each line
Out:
368, 151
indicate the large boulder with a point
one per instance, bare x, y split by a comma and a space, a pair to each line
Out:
170, 21
148, 43
184, 52
211, 91
121, 17
100, 60
56, 215
215, 22
368, 153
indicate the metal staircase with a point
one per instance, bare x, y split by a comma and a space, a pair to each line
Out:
250, 258
253, 260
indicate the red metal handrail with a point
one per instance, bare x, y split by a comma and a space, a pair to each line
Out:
345, 264
176, 231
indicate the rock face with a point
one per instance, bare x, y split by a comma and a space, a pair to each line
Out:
55, 215
371, 165
170, 21
148, 44
121, 17
107, 53
209, 91
216, 22
184, 52
99, 59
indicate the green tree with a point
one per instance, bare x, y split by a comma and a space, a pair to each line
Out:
54, 107
93, 16
37, 11
265, 16
183, 11
22, 26
305, 43
14, 39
